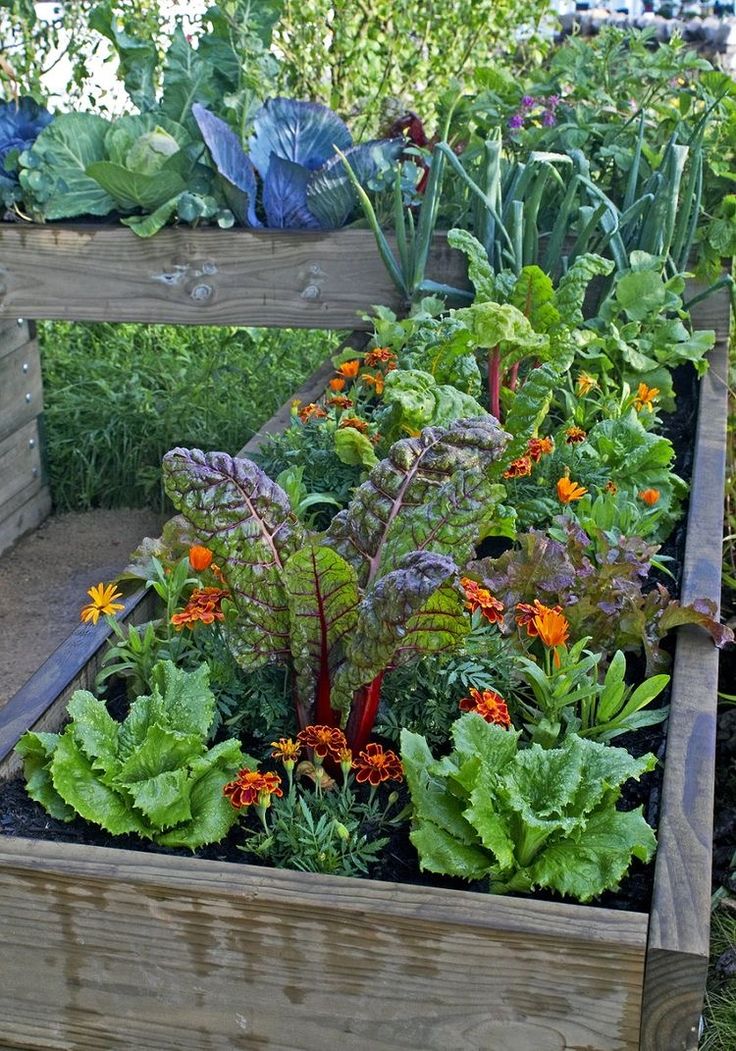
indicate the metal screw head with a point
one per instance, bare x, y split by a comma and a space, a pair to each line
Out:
31, 443
24, 367
20, 322
29, 398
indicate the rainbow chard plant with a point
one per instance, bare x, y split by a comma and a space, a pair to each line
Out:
377, 590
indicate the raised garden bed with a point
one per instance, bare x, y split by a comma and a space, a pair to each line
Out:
154, 950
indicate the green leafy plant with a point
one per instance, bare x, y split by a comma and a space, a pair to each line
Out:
379, 588
151, 774
525, 818
568, 697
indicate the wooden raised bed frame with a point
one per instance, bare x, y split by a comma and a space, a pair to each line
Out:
117, 949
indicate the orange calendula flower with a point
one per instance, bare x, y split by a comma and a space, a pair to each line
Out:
373, 381
340, 402
252, 787
575, 435
650, 496
337, 384
103, 601
525, 614
519, 468
311, 411
645, 397
286, 750
323, 740
481, 598
489, 704
567, 491
610, 487
539, 447
381, 357
349, 369
200, 558
203, 607
376, 766
585, 383
552, 628
355, 422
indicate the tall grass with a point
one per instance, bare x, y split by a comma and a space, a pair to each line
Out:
119, 396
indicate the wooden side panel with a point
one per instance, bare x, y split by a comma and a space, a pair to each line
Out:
148, 951
41, 703
200, 277
21, 390
680, 917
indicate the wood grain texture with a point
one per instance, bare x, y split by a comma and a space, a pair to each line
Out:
163, 953
14, 334
680, 913
21, 390
41, 703
275, 278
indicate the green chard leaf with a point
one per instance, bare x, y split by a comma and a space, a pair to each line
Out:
573, 285
416, 401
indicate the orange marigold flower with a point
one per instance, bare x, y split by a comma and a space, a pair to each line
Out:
650, 496
103, 601
355, 422
481, 598
585, 383
519, 468
379, 357
337, 384
340, 402
200, 558
349, 369
373, 381
567, 491
645, 397
286, 750
574, 435
610, 487
526, 612
252, 787
539, 447
375, 766
203, 607
323, 740
311, 411
552, 628
489, 704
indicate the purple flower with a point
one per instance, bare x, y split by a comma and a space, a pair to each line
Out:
528, 101
553, 101
549, 119
517, 121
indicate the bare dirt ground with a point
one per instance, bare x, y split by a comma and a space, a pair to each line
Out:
44, 580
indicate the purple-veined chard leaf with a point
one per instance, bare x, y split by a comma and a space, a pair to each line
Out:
431, 493
305, 133
230, 159
285, 196
322, 591
701, 612
245, 519
330, 194
389, 612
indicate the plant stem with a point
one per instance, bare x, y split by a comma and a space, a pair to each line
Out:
363, 714
494, 383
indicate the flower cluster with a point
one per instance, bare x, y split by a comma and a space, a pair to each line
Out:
535, 111
478, 598
203, 607
252, 787
489, 704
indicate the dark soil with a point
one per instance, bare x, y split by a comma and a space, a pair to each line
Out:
19, 816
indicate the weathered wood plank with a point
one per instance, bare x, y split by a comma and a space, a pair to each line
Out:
21, 388
20, 463
13, 334
199, 277
41, 703
680, 913
136, 950
26, 517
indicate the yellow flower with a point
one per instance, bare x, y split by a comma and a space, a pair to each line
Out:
585, 383
103, 601
645, 397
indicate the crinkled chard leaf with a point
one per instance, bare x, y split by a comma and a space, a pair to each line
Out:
304, 133
246, 521
430, 493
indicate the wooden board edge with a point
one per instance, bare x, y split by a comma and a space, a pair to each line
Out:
680, 913
24, 519
41, 701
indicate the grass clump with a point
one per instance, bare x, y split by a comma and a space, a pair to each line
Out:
119, 396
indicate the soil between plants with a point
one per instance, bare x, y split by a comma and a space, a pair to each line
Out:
20, 816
